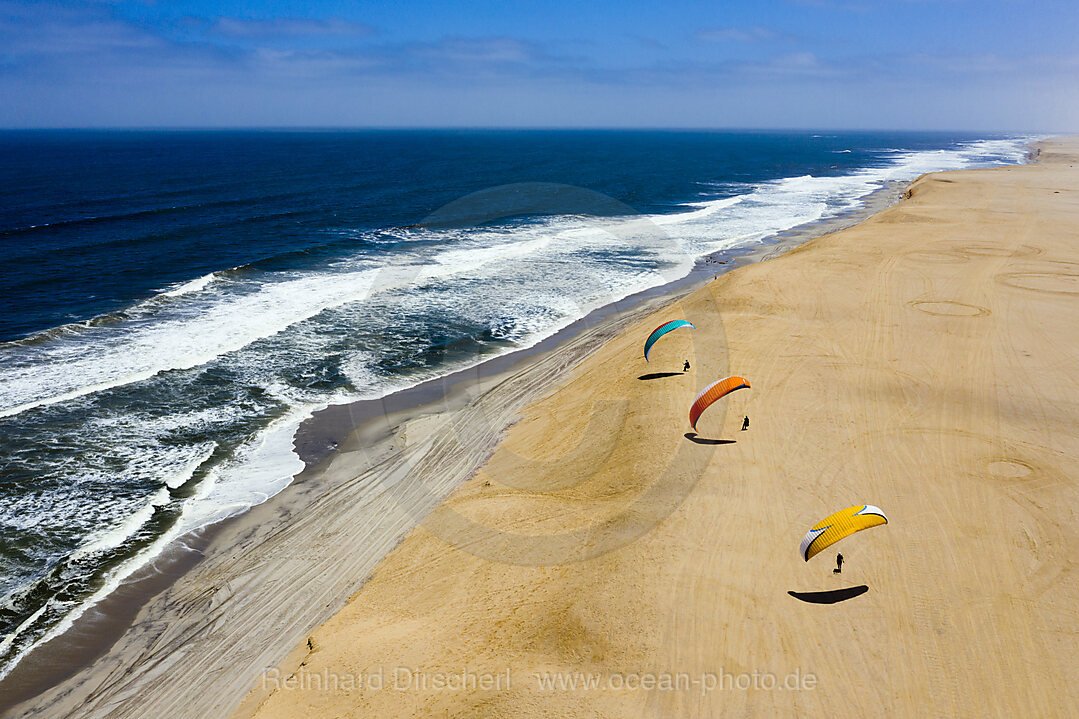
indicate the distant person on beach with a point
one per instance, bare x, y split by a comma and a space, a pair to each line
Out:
838, 564
745, 423
685, 367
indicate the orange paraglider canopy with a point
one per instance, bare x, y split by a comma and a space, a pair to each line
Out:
711, 393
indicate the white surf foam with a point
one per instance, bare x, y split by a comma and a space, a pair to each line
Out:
110, 356
113, 537
259, 470
263, 467
196, 285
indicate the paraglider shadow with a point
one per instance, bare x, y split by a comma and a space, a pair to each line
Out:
832, 596
658, 375
692, 437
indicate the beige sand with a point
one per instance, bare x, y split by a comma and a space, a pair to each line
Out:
926, 361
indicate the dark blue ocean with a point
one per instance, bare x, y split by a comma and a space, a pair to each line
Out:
174, 304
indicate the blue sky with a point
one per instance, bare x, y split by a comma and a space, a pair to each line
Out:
950, 64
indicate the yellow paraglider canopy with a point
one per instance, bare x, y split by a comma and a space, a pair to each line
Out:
842, 524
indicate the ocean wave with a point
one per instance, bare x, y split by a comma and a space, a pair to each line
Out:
196, 285
135, 214
107, 357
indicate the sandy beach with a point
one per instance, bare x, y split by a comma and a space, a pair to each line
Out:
548, 538
921, 361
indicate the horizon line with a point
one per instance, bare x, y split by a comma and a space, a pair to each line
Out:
508, 128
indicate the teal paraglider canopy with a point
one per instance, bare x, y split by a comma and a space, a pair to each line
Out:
662, 330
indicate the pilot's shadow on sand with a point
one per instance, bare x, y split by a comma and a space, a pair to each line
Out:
832, 596
692, 437
659, 375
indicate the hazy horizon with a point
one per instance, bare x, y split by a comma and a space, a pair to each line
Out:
514, 128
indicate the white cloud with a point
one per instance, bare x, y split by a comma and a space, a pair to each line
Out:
754, 33
289, 27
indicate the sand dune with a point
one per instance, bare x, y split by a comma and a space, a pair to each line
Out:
924, 361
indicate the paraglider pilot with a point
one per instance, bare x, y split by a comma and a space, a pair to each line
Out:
838, 564
685, 367
745, 423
